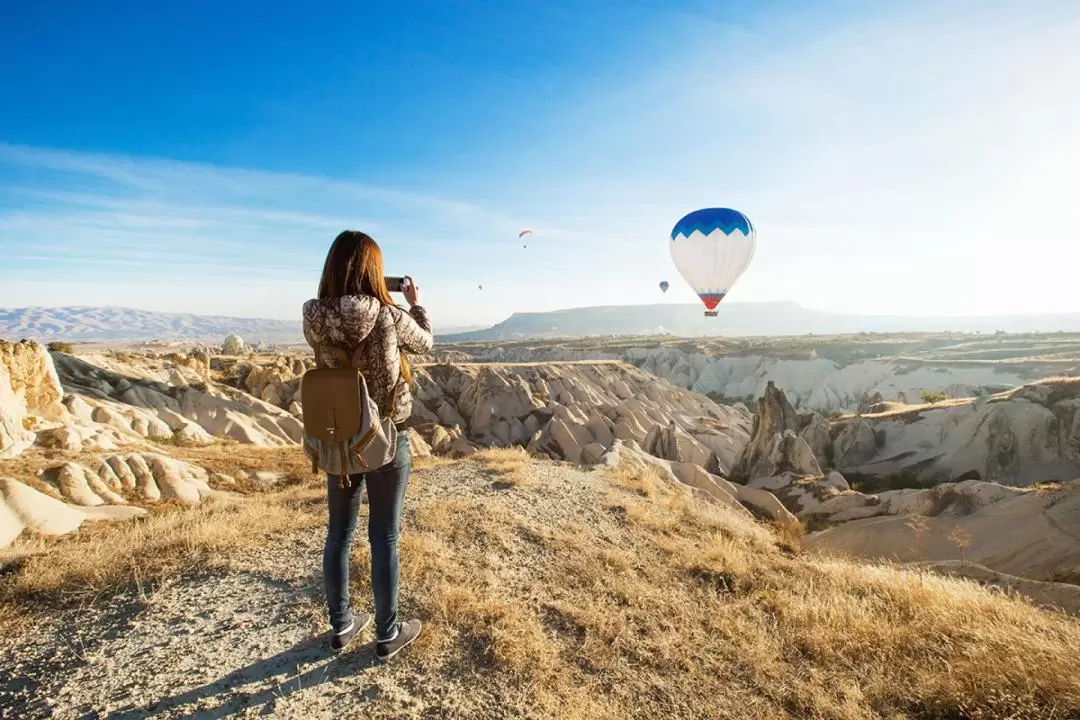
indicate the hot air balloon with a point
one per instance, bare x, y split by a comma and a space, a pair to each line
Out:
524, 233
711, 248
663, 286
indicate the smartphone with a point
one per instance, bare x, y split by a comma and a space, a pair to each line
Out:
394, 284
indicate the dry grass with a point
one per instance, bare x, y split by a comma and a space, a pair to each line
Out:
644, 481
104, 557
675, 608
25, 467
507, 464
226, 457
429, 461
645, 603
235, 459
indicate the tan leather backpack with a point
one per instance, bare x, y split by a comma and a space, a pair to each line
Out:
343, 431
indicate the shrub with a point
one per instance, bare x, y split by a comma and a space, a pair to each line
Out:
63, 347
932, 396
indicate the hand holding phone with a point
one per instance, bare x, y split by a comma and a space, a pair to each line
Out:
411, 291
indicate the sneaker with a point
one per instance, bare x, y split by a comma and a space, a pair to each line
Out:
406, 633
357, 625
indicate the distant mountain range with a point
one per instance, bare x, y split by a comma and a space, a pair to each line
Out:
105, 324
741, 319
113, 324
116, 324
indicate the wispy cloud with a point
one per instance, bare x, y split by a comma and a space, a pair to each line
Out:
186, 223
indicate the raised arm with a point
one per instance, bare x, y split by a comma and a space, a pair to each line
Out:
413, 330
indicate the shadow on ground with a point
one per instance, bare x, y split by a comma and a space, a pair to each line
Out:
226, 696
61, 648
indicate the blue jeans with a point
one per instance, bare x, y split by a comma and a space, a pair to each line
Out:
386, 496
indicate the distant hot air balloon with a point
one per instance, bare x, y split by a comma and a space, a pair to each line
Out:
663, 286
524, 233
711, 248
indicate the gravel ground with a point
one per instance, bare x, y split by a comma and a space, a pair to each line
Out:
253, 642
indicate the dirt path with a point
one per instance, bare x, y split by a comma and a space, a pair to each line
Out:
206, 646
247, 643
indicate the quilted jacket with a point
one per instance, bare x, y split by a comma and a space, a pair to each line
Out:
360, 331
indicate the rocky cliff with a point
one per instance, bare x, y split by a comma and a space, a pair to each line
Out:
1021, 437
828, 375
30, 394
1025, 531
861, 478
575, 411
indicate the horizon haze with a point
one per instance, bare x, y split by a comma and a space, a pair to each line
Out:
745, 319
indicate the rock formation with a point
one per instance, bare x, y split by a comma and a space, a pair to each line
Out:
774, 447
815, 430
31, 372
1025, 532
142, 477
786, 465
277, 383
112, 488
418, 447
560, 410
24, 508
233, 345
855, 444
811, 382
30, 394
868, 401
143, 398
704, 484
1022, 437
1014, 432
15, 435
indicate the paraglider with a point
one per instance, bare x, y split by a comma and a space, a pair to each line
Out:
524, 233
711, 248
663, 286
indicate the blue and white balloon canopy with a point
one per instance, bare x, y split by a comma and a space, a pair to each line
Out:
711, 248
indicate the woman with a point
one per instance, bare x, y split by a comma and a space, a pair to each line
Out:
354, 322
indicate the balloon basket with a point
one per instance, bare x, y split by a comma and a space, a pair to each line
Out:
712, 313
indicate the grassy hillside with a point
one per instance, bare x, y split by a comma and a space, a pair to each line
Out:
552, 593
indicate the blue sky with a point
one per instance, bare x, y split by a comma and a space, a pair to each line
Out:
910, 158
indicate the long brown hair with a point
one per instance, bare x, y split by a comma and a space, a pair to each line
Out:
354, 266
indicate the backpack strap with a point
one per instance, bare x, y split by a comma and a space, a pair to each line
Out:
344, 481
